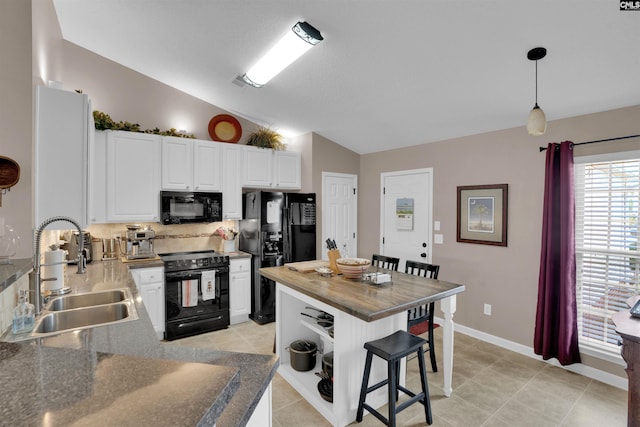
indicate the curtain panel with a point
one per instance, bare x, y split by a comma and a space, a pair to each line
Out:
556, 329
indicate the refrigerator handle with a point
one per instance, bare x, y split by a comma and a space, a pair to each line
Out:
286, 234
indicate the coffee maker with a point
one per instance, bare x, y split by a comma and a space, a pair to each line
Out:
139, 242
72, 243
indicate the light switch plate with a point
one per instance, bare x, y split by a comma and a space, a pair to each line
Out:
436, 225
437, 238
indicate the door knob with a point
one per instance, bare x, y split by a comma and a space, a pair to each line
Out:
423, 254
424, 245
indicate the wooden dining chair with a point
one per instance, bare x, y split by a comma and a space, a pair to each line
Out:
424, 313
381, 261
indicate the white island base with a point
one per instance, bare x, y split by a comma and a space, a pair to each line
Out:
350, 334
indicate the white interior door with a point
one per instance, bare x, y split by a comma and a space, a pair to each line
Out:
339, 212
406, 210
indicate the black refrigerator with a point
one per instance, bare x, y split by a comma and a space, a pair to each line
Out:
277, 228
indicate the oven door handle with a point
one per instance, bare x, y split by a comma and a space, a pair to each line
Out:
183, 275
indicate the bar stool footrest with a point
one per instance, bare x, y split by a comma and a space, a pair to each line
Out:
377, 386
375, 413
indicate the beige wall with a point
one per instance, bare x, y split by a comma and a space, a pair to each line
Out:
327, 156
116, 90
15, 114
505, 277
303, 144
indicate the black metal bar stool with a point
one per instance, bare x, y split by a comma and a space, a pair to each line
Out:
393, 348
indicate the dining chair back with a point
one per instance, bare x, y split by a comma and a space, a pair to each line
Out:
381, 261
424, 313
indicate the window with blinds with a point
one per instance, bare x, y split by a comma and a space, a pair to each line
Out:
607, 256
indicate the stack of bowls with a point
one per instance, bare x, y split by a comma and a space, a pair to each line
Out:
352, 268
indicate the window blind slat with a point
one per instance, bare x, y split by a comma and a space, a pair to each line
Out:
607, 196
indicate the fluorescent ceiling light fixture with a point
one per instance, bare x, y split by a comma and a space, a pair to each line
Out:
292, 46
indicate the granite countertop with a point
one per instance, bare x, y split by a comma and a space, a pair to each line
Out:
122, 373
237, 255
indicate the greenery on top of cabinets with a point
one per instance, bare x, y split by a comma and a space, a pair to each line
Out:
104, 122
266, 138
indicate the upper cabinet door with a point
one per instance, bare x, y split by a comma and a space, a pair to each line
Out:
207, 162
177, 163
258, 167
133, 176
60, 168
232, 182
287, 170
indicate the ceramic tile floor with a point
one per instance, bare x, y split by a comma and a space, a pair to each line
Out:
492, 387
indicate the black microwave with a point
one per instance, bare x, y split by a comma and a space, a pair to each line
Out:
178, 207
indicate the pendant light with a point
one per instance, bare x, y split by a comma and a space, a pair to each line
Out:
537, 122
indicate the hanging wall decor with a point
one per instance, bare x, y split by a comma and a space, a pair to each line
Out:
482, 214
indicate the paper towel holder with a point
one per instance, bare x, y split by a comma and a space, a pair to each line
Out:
57, 290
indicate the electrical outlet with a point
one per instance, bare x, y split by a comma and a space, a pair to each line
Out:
437, 238
487, 309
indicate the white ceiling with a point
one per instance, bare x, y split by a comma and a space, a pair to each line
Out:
389, 73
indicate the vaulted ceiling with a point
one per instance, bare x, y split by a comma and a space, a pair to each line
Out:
389, 73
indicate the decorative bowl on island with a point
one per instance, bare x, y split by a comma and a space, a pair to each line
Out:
352, 268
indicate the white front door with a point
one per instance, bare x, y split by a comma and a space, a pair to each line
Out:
406, 215
339, 212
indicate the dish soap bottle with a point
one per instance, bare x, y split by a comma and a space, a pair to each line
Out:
23, 314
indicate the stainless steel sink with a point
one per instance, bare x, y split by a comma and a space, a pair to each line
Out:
68, 302
80, 318
81, 311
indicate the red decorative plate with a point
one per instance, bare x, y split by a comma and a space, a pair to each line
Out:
225, 128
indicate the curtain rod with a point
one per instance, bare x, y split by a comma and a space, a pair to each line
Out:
599, 140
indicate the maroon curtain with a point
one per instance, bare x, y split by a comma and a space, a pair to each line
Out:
556, 333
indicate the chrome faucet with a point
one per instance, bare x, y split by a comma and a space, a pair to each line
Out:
35, 282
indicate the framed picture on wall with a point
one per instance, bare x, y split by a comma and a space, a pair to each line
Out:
482, 214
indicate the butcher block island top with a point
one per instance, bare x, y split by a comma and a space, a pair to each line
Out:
362, 299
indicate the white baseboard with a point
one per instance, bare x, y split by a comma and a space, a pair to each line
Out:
578, 368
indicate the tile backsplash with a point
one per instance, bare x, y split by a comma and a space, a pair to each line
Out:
169, 238
9, 299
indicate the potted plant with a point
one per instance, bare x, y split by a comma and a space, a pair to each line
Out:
266, 138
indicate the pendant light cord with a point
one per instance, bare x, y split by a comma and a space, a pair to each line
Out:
536, 82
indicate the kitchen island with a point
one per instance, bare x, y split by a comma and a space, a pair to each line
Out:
362, 312
120, 374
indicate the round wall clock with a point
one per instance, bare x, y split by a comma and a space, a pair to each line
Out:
225, 128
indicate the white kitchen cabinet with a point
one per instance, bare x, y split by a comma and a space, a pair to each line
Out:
63, 121
287, 170
98, 178
133, 176
273, 169
232, 182
258, 167
348, 353
207, 174
190, 164
177, 164
262, 415
150, 283
239, 289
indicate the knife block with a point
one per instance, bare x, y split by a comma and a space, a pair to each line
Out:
333, 255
